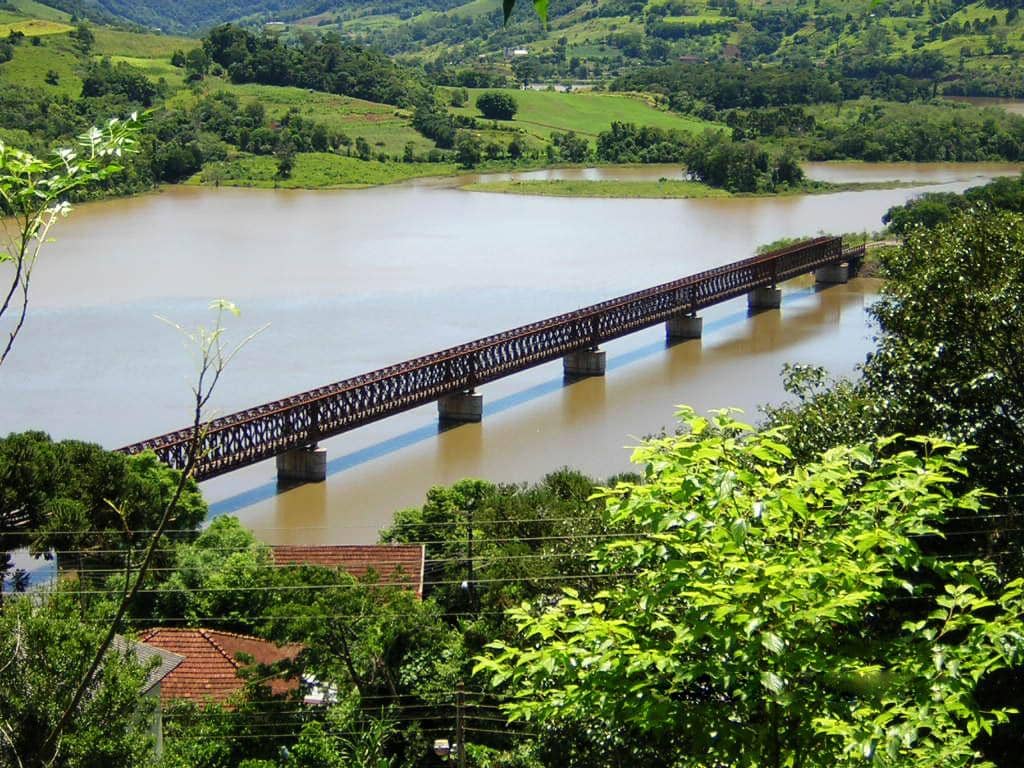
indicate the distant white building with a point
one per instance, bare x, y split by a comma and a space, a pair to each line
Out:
520, 52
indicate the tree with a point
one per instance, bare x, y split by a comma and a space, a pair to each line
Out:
956, 366
197, 64
571, 148
121, 79
739, 166
468, 149
761, 616
496, 545
84, 36
44, 644
214, 354
285, 156
84, 502
517, 147
496, 105
225, 573
34, 192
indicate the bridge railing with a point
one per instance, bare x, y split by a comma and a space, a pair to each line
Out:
259, 433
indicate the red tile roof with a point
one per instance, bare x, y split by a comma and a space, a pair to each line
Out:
394, 564
211, 666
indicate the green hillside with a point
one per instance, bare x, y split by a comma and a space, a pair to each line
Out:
298, 107
54, 65
541, 112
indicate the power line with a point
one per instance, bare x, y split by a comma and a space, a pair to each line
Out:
397, 528
534, 539
412, 526
315, 587
435, 542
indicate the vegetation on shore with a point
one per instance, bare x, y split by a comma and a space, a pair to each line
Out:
666, 188
314, 170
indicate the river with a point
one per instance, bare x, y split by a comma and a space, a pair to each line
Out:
350, 281
1015, 106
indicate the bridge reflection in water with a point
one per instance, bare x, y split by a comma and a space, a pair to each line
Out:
291, 428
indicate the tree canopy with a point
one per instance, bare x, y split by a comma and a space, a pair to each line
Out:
44, 646
771, 614
495, 105
89, 505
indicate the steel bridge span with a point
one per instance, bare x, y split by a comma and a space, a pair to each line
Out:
290, 428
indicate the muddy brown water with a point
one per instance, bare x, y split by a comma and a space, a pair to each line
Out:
351, 281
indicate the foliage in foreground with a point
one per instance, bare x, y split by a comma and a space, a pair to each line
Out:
934, 208
44, 646
82, 504
33, 196
948, 362
768, 614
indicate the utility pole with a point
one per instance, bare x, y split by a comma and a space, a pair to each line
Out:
470, 589
460, 723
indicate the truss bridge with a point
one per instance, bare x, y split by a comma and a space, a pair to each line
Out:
291, 428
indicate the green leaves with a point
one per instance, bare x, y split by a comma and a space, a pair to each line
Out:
540, 6
753, 616
34, 192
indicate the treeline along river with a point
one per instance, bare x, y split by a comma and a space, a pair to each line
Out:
351, 281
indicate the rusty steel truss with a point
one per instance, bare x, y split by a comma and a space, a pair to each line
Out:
244, 438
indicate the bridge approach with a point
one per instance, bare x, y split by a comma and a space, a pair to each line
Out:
290, 428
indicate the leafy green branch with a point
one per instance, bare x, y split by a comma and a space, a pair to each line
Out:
34, 196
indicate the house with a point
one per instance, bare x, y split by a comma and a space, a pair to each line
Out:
161, 664
211, 663
394, 564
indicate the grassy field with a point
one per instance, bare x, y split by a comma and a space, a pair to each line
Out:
116, 42
156, 69
315, 170
541, 112
366, 24
596, 30
37, 10
475, 8
31, 63
386, 128
704, 18
34, 27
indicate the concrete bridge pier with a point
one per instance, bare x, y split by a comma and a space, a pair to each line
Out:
302, 465
768, 297
465, 406
684, 327
584, 362
832, 274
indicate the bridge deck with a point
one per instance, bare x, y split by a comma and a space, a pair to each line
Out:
253, 435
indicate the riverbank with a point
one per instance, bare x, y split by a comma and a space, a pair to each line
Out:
321, 170
314, 170
668, 188
391, 272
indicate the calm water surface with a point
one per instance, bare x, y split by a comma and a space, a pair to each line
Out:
353, 281
1016, 106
